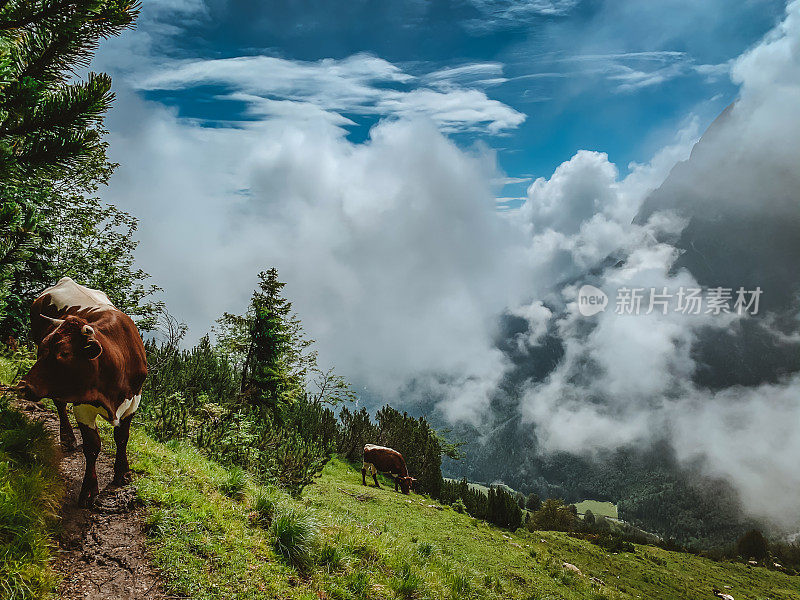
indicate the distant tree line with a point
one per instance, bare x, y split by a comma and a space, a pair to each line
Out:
651, 488
497, 505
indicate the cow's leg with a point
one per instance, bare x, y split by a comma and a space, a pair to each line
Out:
122, 472
65, 432
363, 476
375, 478
86, 415
91, 448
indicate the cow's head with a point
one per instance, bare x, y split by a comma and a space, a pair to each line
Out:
65, 361
406, 484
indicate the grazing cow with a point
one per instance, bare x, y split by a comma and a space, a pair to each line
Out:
90, 355
386, 460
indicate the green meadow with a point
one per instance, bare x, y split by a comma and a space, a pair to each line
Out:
215, 535
599, 509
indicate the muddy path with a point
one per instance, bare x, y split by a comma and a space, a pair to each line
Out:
101, 550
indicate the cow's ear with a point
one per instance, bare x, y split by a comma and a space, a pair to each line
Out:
92, 349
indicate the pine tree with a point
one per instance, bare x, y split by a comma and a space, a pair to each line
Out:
277, 360
48, 122
50, 128
533, 502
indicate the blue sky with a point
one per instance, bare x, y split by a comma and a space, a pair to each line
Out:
619, 77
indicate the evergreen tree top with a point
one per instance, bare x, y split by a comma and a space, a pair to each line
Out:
48, 122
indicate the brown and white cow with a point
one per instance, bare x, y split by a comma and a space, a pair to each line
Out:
386, 460
90, 354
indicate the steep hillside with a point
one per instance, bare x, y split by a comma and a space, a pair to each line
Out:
210, 543
212, 534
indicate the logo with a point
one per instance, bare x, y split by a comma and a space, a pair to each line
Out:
591, 300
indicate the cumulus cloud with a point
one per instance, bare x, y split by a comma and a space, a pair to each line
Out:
393, 245
395, 256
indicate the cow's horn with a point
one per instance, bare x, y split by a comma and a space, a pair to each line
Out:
87, 330
52, 320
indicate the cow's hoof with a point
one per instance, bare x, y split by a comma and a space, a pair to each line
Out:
123, 479
86, 500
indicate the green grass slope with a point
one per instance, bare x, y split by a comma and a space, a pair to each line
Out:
599, 509
376, 544
30, 491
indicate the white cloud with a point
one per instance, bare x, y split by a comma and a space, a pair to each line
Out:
537, 317
453, 110
512, 180
393, 247
775, 61
469, 72
750, 436
624, 378
360, 84
395, 256
502, 14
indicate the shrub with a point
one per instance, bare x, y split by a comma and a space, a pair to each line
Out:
552, 516
234, 484
295, 461
533, 502
294, 533
752, 545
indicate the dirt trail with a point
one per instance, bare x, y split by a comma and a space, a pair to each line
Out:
102, 552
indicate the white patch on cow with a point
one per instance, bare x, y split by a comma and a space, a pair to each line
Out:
127, 408
87, 414
372, 470
374, 447
68, 294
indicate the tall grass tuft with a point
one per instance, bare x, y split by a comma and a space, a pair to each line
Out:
426, 549
331, 557
234, 484
407, 583
264, 506
294, 533
358, 583
460, 587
